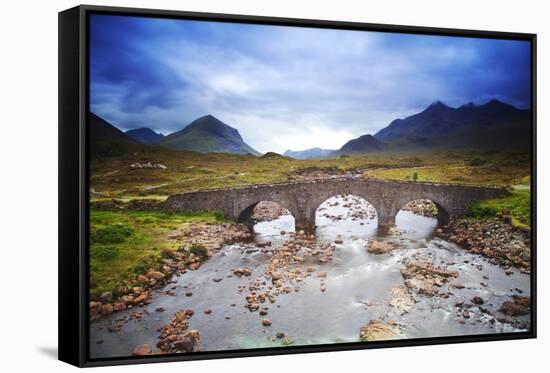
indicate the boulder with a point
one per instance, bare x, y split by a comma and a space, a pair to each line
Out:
157, 276
402, 300
378, 330
378, 247
106, 297
107, 309
184, 344
141, 298
142, 350
193, 335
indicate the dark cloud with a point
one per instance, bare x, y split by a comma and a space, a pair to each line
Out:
290, 87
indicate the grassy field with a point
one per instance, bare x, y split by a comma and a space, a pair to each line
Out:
113, 177
125, 243
517, 205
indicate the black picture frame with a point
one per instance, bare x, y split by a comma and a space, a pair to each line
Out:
73, 184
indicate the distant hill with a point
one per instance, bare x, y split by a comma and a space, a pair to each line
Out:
492, 126
362, 144
273, 155
208, 134
145, 135
309, 153
101, 130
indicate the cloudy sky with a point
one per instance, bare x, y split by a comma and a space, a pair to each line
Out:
288, 87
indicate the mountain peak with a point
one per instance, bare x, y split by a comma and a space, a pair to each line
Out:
437, 104
497, 104
362, 144
208, 134
145, 135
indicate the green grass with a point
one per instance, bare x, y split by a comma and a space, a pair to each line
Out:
123, 244
112, 177
517, 205
198, 250
489, 168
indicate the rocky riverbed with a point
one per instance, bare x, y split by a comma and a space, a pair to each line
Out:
496, 239
348, 282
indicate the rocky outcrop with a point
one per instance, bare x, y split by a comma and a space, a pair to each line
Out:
402, 300
379, 247
378, 330
424, 278
177, 337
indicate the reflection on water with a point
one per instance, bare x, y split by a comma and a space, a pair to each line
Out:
358, 288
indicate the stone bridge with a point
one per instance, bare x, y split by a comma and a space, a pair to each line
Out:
303, 198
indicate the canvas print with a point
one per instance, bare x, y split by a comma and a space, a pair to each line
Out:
263, 186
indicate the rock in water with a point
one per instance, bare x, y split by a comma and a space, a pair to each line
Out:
402, 300
520, 306
377, 330
142, 350
184, 344
378, 247
477, 300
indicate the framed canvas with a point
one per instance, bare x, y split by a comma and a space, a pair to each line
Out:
233, 186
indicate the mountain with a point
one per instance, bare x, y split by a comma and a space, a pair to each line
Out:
145, 135
362, 144
308, 153
101, 130
491, 126
208, 134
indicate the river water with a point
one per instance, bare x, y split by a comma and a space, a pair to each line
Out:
358, 289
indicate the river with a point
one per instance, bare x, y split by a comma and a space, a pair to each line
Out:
357, 288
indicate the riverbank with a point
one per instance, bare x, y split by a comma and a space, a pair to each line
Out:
494, 238
187, 242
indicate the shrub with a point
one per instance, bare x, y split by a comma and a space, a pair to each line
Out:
474, 162
104, 253
113, 234
415, 176
218, 215
198, 250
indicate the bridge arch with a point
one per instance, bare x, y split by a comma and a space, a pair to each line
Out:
442, 213
247, 214
354, 206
